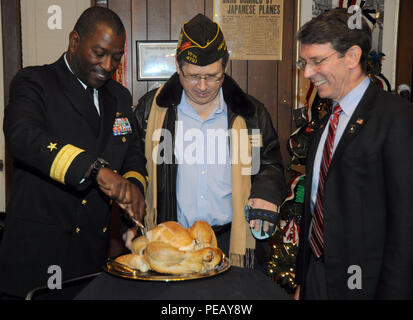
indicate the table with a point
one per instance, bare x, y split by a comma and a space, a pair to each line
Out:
234, 284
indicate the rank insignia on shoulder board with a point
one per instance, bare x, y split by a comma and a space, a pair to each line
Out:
121, 127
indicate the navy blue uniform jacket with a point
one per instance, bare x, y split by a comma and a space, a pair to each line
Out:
54, 134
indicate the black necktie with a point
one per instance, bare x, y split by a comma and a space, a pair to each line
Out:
90, 92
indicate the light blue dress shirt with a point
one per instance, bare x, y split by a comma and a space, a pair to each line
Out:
348, 104
204, 177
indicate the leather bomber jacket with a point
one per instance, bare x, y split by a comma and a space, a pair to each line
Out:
268, 184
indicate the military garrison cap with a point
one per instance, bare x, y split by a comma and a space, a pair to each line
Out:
201, 41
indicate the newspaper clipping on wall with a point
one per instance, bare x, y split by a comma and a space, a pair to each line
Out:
252, 28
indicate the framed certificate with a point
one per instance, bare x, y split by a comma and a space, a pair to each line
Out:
155, 59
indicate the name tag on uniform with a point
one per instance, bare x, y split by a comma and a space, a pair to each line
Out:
121, 127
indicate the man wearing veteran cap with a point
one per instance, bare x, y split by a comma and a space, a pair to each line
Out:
199, 128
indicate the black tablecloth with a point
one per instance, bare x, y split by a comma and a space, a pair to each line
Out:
234, 284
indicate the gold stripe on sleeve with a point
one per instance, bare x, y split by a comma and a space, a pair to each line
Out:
137, 176
62, 162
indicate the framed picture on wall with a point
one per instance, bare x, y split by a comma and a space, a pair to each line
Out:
155, 59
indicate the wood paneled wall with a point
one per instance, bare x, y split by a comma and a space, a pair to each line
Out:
272, 82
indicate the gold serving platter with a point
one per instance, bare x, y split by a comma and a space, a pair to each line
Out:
123, 271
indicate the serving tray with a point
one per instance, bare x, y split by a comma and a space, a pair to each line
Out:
120, 270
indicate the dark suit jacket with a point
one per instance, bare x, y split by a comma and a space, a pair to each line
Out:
368, 216
54, 134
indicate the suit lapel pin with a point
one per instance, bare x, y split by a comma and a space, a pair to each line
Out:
353, 127
360, 121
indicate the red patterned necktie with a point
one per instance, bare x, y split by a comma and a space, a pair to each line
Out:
317, 232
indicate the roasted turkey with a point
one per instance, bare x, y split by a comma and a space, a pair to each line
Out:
171, 248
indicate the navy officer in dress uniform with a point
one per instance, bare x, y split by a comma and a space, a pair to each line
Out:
69, 128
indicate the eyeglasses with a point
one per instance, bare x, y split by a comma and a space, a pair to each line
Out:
195, 78
301, 64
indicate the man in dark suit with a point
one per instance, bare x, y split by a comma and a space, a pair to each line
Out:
356, 233
74, 153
